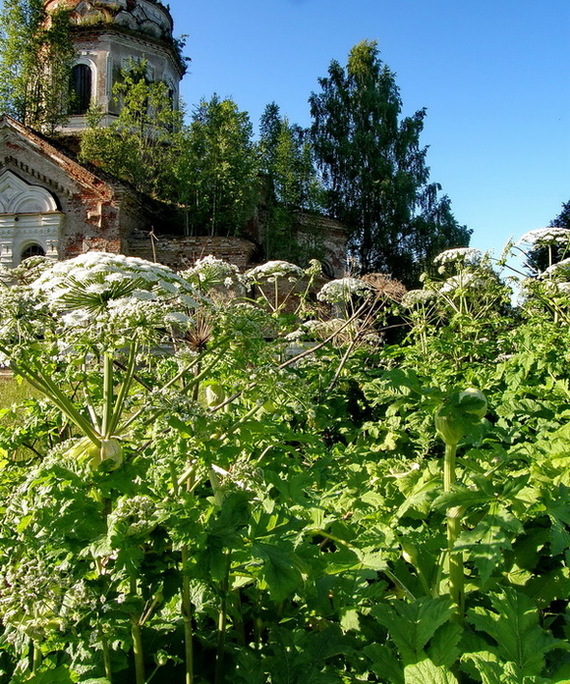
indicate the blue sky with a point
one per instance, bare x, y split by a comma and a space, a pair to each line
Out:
494, 76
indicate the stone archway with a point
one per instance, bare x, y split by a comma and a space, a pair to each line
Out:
28, 215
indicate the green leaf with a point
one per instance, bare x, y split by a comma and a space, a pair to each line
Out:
419, 496
60, 675
425, 672
402, 379
487, 542
548, 587
491, 670
349, 619
412, 625
515, 625
384, 663
279, 572
443, 647
461, 496
181, 426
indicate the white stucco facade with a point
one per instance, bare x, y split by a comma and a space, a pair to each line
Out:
29, 218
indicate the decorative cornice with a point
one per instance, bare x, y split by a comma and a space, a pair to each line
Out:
102, 184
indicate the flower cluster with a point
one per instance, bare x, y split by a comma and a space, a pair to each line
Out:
342, 290
543, 237
90, 281
312, 329
463, 255
334, 327
211, 272
21, 317
115, 293
133, 516
459, 257
416, 298
272, 271
463, 281
563, 288
559, 271
36, 595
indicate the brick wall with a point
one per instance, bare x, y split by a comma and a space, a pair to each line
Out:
181, 252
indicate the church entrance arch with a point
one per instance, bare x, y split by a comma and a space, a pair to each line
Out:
30, 221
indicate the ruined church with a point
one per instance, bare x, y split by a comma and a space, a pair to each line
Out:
53, 205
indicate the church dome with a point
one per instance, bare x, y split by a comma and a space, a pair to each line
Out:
108, 37
147, 17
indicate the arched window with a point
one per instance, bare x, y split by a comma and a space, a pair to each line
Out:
32, 250
81, 85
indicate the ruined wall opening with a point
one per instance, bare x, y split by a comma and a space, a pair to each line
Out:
32, 250
81, 89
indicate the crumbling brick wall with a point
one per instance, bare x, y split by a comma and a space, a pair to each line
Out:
181, 252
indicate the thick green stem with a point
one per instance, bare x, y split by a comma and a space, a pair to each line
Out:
187, 619
455, 558
222, 625
106, 658
48, 388
136, 635
108, 376
138, 651
124, 391
36, 657
239, 623
449, 467
276, 295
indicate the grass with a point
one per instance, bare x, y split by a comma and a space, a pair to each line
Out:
13, 392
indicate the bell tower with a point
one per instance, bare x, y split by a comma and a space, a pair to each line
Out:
107, 35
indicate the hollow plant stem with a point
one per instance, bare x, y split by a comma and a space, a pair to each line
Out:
107, 658
136, 636
138, 651
108, 378
187, 619
453, 516
222, 625
37, 657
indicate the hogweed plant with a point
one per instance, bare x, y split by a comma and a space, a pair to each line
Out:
457, 416
281, 284
91, 322
95, 334
88, 313
421, 310
554, 240
199, 506
471, 288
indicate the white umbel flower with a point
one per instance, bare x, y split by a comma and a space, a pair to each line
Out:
415, 298
459, 255
341, 290
272, 271
543, 237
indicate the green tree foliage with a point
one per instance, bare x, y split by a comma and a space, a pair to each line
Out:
217, 170
539, 259
36, 56
563, 219
142, 144
548, 246
291, 187
375, 169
